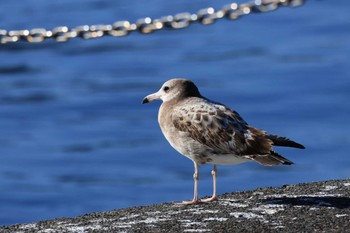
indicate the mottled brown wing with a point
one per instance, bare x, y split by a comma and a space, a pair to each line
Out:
213, 125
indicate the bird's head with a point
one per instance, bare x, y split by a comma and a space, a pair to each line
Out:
174, 89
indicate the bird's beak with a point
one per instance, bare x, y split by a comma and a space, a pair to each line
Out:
151, 97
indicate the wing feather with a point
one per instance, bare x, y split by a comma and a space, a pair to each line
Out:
223, 131
213, 125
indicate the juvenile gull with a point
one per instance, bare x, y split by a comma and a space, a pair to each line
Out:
209, 132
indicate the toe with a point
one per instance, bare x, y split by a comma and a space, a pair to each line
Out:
211, 199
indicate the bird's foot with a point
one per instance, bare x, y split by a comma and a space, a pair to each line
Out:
192, 202
197, 201
210, 199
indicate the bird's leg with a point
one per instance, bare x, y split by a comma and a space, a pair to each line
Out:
214, 173
195, 194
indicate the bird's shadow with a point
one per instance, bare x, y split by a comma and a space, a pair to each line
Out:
325, 201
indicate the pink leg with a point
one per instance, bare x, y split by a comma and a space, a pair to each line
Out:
195, 194
214, 173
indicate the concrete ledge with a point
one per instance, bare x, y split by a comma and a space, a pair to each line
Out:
311, 207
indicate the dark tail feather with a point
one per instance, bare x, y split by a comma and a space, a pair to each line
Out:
282, 141
270, 159
282, 159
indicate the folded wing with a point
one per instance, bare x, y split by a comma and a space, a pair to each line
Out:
225, 132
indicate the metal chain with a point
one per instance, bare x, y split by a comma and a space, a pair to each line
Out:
146, 25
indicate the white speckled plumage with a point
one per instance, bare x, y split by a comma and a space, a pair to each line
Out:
193, 126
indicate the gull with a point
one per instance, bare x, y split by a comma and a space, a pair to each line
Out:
208, 132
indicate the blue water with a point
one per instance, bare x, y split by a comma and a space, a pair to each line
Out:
75, 139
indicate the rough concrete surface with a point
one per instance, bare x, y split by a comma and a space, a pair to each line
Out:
311, 207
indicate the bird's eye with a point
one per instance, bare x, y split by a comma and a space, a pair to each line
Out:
166, 88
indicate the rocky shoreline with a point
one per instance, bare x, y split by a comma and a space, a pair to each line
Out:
310, 207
